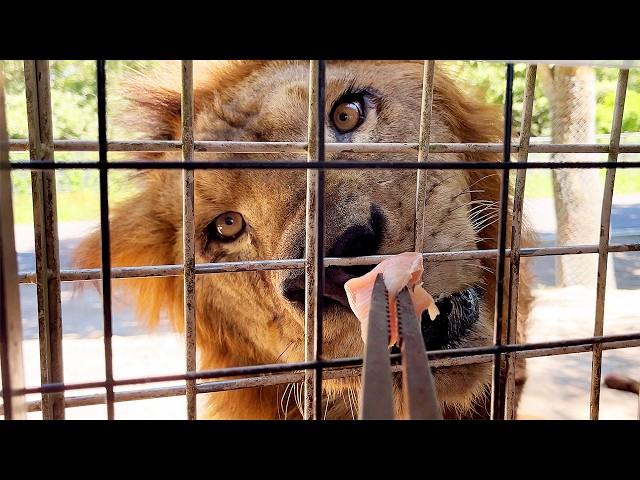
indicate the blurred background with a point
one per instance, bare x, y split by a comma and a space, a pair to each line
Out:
572, 105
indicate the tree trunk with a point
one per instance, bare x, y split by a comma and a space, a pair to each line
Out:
577, 193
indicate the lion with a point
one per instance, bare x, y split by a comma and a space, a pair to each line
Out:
253, 318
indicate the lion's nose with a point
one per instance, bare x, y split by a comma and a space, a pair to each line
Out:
356, 240
334, 280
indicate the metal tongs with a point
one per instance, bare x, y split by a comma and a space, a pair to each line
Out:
376, 395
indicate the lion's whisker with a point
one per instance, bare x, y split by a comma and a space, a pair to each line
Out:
477, 204
487, 225
285, 409
479, 266
354, 401
474, 183
488, 216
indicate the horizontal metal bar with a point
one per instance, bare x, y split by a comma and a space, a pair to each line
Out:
271, 380
575, 63
335, 363
300, 165
17, 145
83, 274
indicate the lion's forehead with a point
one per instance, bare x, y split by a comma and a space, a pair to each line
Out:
270, 102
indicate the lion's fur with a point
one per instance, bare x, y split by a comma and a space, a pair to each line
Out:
242, 318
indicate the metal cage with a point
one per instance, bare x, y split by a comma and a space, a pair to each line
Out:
48, 274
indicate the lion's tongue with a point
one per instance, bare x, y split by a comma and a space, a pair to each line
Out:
398, 271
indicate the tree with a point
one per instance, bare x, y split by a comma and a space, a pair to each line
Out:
577, 193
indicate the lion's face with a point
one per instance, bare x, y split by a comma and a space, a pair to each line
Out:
258, 317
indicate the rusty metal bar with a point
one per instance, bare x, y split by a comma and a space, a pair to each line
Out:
45, 225
11, 363
319, 271
497, 376
188, 235
298, 165
587, 63
516, 228
603, 254
105, 240
301, 147
477, 355
312, 234
280, 379
423, 152
86, 274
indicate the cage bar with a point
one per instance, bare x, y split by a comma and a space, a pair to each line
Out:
497, 376
314, 233
317, 332
45, 226
423, 151
295, 165
105, 238
516, 228
603, 253
188, 235
86, 274
280, 379
301, 147
439, 358
10, 322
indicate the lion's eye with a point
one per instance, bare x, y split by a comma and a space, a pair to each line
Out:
228, 226
347, 116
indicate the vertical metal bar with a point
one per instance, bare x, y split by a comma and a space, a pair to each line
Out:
314, 257
45, 224
516, 229
423, 151
188, 239
317, 379
497, 379
603, 252
10, 322
105, 240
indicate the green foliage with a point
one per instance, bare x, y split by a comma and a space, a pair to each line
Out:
75, 113
488, 79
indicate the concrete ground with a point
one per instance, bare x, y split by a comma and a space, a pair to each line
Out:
558, 387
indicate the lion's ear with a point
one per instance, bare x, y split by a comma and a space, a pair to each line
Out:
140, 234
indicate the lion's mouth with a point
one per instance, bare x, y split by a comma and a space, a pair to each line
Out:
459, 312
